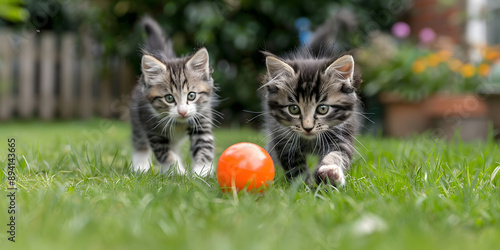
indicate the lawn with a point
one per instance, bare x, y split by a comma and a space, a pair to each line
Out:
75, 191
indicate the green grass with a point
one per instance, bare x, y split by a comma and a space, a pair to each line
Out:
76, 192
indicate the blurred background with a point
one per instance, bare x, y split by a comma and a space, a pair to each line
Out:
427, 65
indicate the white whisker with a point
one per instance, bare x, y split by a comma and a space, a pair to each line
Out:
284, 137
274, 131
209, 120
349, 133
255, 117
289, 149
160, 122
347, 142
217, 113
363, 115
316, 144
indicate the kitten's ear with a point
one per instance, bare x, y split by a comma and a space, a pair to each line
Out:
276, 67
199, 62
152, 70
343, 66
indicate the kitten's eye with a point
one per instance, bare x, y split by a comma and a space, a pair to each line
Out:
322, 109
169, 98
294, 109
191, 96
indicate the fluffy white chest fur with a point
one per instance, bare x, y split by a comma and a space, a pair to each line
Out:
178, 135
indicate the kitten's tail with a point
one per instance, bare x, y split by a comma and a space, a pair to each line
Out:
157, 40
326, 34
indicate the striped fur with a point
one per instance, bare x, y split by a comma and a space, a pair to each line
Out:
172, 101
322, 89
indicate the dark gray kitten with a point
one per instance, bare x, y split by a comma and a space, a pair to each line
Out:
310, 107
173, 100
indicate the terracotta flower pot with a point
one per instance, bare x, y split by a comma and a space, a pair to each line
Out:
401, 117
444, 114
463, 105
493, 102
491, 95
465, 114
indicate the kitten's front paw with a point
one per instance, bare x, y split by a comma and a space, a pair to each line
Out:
332, 174
141, 162
141, 167
202, 170
176, 167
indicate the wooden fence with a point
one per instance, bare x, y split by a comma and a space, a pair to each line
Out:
48, 76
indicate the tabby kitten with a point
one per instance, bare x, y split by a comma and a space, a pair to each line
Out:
310, 107
172, 100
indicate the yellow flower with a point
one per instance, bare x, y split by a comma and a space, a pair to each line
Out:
444, 55
468, 70
454, 64
491, 54
433, 60
418, 66
483, 69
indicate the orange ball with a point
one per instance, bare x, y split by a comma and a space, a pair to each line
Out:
244, 165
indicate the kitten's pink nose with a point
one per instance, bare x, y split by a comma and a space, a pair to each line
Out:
182, 111
308, 125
